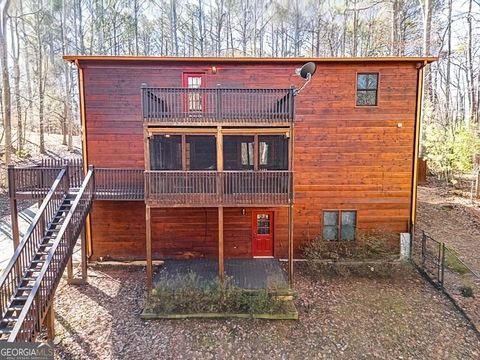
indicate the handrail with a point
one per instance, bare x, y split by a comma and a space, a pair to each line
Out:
119, 184
231, 187
35, 308
25, 251
34, 180
211, 105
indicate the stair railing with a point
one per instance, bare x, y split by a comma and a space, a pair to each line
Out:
34, 311
31, 241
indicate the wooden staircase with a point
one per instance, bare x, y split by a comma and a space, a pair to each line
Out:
28, 284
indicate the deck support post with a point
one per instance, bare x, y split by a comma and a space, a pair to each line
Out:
290, 245
50, 322
149, 248
221, 265
83, 245
14, 218
12, 191
70, 270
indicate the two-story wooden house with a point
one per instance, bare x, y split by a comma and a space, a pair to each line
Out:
221, 158
217, 159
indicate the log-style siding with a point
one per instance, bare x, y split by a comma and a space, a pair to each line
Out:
345, 157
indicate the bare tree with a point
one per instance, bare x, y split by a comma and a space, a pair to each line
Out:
7, 110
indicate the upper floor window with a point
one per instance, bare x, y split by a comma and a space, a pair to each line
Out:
367, 89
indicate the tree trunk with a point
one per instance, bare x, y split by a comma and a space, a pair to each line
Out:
471, 73
16, 79
7, 107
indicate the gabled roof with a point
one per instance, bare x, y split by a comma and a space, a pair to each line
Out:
78, 58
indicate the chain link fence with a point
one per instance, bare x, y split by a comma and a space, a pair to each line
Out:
442, 266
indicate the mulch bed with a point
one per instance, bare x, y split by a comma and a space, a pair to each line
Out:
346, 317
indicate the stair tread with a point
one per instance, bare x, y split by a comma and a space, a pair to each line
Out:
25, 288
15, 308
20, 298
6, 330
8, 319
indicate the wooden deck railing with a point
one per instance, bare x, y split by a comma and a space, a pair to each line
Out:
31, 317
167, 188
119, 184
31, 182
256, 187
32, 240
211, 188
34, 182
217, 105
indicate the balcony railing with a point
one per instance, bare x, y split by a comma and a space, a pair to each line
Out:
210, 188
165, 188
217, 105
119, 184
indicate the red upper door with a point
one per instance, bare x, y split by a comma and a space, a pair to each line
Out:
262, 230
194, 101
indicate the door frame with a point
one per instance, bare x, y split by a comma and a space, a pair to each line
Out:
203, 100
254, 232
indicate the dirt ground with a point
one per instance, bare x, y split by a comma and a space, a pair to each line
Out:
449, 216
341, 318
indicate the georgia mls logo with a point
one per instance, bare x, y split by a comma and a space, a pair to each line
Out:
26, 351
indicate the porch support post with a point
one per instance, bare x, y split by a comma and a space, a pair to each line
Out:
70, 270
149, 248
14, 216
13, 206
221, 267
290, 245
83, 245
50, 321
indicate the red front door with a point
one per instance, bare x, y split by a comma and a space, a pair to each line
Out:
262, 229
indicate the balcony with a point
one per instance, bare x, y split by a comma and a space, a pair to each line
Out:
211, 188
165, 188
204, 106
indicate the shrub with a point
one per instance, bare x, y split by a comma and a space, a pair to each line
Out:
450, 151
189, 293
331, 257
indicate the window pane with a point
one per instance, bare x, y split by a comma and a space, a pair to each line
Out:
366, 97
330, 218
348, 233
273, 152
367, 81
166, 152
372, 82
362, 81
349, 223
238, 152
330, 228
201, 152
330, 233
194, 82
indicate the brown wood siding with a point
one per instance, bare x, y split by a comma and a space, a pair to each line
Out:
345, 157
119, 231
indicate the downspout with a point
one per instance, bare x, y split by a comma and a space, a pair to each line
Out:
83, 122
416, 148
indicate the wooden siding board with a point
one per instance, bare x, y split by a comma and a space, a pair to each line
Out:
345, 156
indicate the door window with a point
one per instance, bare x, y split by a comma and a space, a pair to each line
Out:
263, 224
194, 98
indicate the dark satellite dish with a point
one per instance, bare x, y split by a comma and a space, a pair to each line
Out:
307, 70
